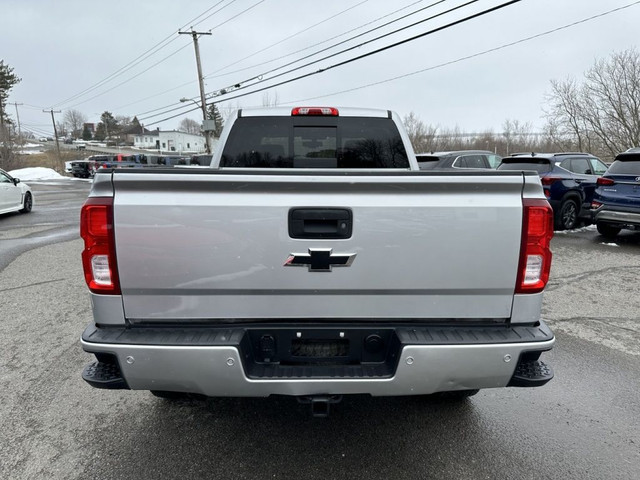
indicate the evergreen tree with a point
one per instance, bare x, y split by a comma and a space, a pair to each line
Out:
86, 133
108, 127
8, 80
214, 114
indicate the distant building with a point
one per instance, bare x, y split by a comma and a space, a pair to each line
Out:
89, 126
128, 134
170, 141
147, 141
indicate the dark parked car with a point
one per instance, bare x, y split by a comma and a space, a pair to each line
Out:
616, 202
84, 168
458, 159
568, 180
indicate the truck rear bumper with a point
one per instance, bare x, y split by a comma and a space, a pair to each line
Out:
218, 363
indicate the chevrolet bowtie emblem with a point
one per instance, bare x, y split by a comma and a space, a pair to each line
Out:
320, 259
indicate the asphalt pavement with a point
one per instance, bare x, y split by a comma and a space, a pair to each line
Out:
583, 424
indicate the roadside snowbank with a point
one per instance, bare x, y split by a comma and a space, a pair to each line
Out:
35, 173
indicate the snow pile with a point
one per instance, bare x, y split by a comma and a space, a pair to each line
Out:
29, 152
35, 173
588, 228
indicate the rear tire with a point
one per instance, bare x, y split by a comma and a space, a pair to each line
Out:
607, 230
27, 204
566, 218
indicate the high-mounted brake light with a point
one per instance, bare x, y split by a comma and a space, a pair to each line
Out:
535, 254
315, 111
99, 254
605, 181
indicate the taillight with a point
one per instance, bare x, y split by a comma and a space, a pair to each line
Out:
315, 111
595, 205
535, 254
549, 180
99, 254
605, 181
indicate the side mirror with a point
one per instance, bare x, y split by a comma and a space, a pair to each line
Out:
16, 181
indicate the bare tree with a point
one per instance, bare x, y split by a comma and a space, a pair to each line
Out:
518, 136
601, 114
123, 120
423, 137
61, 127
74, 121
189, 125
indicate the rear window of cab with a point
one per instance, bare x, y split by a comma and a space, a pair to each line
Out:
314, 142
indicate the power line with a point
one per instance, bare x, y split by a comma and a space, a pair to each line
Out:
354, 47
306, 29
237, 15
359, 57
239, 86
132, 78
168, 56
378, 50
208, 16
142, 57
468, 57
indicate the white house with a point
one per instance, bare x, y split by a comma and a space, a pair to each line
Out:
171, 141
146, 140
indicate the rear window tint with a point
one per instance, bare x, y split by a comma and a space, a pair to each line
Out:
470, 161
538, 166
627, 167
314, 142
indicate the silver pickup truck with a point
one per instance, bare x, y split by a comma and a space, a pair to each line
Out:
314, 259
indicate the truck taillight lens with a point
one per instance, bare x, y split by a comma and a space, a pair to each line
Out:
99, 254
535, 252
330, 111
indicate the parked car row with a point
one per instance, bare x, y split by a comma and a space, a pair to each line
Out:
568, 180
88, 167
579, 186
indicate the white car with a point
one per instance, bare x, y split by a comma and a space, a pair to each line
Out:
14, 195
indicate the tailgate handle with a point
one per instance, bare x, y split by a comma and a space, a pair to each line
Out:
320, 223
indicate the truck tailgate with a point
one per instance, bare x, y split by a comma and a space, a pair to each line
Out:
212, 245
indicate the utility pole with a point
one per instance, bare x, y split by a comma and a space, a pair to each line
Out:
55, 130
18, 118
203, 99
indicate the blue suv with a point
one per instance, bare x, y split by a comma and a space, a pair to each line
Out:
616, 203
568, 181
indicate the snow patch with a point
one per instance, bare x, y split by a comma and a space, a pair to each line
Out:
588, 228
29, 152
35, 173
610, 244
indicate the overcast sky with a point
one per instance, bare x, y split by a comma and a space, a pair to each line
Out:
88, 56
